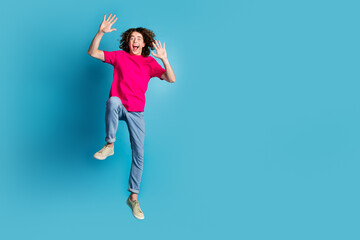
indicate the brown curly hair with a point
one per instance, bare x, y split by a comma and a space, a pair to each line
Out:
148, 36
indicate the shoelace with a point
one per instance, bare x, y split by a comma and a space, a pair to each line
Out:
136, 202
103, 149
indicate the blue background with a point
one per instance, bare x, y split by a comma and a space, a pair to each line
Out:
257, 139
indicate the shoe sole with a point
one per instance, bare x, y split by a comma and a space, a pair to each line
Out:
127, 202
103, 157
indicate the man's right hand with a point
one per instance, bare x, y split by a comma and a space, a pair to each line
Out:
106, 24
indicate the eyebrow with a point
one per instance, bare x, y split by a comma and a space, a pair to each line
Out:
134, 36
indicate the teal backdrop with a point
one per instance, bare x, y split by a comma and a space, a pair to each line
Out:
257, 139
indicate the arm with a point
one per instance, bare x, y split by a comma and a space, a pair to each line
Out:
93, 49
169, 74
161, 53
104, 28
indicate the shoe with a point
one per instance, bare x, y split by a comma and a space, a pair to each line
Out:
135, 207
104, 152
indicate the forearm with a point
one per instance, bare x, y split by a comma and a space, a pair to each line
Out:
95, 42
169, 71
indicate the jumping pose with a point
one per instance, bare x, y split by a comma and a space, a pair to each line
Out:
133, 68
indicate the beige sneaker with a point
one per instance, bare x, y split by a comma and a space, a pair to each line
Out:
104, 152
135, 207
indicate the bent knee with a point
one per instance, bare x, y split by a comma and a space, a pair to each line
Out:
113, 102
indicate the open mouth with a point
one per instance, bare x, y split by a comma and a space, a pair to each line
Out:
135, 48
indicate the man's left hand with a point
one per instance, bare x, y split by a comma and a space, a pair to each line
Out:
160, 50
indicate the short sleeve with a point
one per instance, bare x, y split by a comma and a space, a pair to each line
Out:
110, 57
156, 70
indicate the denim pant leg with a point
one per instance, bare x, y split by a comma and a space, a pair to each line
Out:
114, 112
136, 125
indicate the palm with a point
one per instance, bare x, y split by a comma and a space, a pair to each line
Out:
160, 50
106, 24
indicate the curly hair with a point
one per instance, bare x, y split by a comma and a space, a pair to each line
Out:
148, 36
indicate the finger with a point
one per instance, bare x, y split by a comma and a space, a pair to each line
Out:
155, 46
164, 45
113, 29
104, 17
112, 17
114, 21
108, 17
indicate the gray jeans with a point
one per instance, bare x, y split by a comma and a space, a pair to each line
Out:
116, 111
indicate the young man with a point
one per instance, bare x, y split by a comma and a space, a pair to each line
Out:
133, 68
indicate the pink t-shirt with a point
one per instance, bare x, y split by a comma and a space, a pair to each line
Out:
131, 77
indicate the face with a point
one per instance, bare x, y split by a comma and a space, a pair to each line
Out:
136, 43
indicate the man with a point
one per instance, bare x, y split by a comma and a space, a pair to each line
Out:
133, 68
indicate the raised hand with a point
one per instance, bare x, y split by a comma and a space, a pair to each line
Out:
106, 24
160, 51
